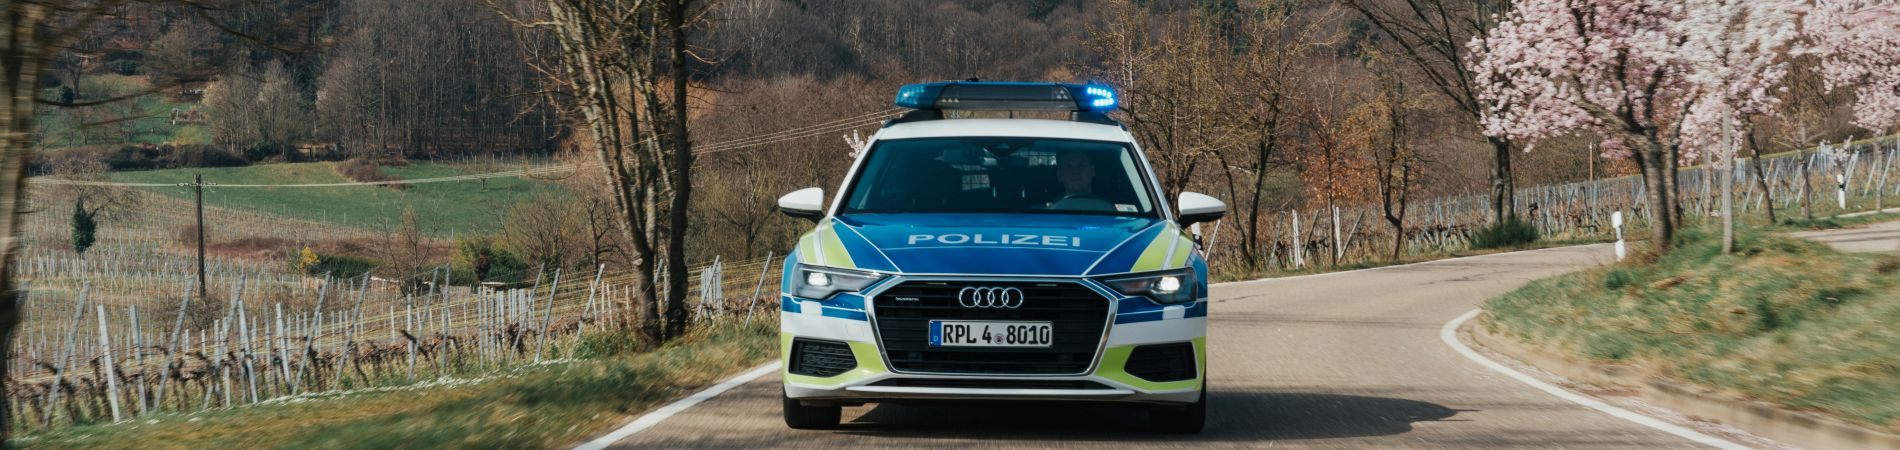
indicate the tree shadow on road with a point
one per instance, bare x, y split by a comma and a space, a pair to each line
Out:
1232, 417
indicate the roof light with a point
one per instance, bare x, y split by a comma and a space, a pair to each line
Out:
974, 95
1100, 98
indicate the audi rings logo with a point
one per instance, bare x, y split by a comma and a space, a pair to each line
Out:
990, 297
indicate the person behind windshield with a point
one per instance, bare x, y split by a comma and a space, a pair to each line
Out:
1076, 172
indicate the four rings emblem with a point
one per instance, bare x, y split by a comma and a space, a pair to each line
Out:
990, 297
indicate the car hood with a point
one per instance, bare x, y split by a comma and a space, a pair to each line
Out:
995, 244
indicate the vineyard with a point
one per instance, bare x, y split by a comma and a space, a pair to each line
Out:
120, 332
1578, 211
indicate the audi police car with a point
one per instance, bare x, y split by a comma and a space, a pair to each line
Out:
997, 259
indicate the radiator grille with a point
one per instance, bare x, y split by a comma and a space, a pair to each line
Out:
904, 312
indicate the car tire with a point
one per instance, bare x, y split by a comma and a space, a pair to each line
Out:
1187, 419
801, 417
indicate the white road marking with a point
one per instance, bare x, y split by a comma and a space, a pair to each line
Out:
654, 418
1450, 335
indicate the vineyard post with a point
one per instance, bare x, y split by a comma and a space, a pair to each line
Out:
283, 352
349, 338
112, 380
547, 318
244, 339
315, 330
138, 351
592, 288
66, 350
763, 268
408, 331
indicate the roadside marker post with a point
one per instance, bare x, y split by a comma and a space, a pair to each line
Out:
1840, 190
1616, 221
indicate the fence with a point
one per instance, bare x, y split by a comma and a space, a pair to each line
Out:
86, 356
1302, 239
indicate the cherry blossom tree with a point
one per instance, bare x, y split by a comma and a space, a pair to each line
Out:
1737, 54
1648, 76
1859, 44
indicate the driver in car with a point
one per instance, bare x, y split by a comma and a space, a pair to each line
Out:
1076, 173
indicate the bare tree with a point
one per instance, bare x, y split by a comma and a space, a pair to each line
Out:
622, 70
1430, 35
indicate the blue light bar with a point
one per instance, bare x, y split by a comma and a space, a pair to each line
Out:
994, 95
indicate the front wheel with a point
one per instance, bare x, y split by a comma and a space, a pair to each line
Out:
801, 417
1189, 419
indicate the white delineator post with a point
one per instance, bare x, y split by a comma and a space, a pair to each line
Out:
1840, 190
1616, 221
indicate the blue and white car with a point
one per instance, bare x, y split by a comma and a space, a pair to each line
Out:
997, 259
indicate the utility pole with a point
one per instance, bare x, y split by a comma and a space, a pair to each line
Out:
198, 188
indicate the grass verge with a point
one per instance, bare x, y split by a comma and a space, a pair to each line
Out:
1782, 320
541, 406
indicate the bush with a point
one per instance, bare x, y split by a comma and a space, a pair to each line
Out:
1504, 234
151, 157
367, 171
343, 266
273, 153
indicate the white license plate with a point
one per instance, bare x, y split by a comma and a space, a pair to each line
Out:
971, 333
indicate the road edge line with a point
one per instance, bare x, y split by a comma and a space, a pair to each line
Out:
1449, 334
650, 419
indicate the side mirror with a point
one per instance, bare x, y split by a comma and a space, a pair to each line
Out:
807, 203
1197, 208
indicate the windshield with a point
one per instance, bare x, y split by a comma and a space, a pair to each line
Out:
1015, 175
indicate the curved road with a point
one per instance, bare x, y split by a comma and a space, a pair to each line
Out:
1344, 360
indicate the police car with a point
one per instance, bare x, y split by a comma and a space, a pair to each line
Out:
997, 259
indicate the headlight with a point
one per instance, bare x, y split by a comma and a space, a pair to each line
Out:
821, 282
1165, 287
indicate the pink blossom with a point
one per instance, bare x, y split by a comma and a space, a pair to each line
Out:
1859, 45
1636, 72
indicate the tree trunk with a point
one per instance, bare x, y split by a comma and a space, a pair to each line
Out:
1807, 184
1503, 185
20, 64
676, 270
1661, 221
1761, 178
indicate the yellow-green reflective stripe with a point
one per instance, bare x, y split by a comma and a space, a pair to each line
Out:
1181, 252
806, 251
1115, 360
1153, 257
869, 364
833, 249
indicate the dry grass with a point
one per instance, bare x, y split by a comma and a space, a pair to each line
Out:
548, 405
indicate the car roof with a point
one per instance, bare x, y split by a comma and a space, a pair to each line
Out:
1042, 128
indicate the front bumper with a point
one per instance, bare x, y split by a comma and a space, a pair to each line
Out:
843, 320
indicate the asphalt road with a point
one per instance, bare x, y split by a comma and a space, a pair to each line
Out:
1879, 237
1345, 360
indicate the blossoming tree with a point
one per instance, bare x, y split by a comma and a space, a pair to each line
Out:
1648, 76
1859, 44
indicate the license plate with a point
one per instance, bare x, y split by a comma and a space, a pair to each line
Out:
970, 333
